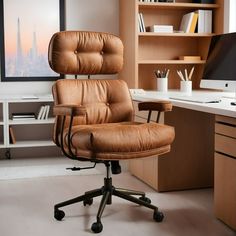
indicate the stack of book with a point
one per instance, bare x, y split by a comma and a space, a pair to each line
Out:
161, 28
23, 116
43, 112
199, 21
148, 0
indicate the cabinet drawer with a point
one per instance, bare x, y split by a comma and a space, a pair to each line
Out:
225, 189
225, 145
226, 130
226, 119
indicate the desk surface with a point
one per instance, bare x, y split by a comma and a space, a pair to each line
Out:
222, 108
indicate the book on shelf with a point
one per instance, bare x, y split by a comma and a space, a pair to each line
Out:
141, 23
193, 24
23, 115
204, 24
12, 138
43, 112
161, 28
186, 22
208, 21
140, 29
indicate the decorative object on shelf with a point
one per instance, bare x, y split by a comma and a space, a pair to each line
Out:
190, 58
162, 80
26, 28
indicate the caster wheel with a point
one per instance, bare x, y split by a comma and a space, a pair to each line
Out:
97, 227
146, 199
88, 202
59, 214
158, 216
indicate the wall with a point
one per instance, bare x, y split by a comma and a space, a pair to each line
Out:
102, 16
229, 16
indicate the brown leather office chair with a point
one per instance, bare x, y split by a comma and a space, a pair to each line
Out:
94, 118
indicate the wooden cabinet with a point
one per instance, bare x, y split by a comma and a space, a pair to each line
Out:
188, 165
145, 52
225, 170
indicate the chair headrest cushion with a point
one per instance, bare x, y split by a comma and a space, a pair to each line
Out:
85, 53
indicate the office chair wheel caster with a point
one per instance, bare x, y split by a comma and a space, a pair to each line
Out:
59, 214
88, 202
97, 227
145, 199
158, 216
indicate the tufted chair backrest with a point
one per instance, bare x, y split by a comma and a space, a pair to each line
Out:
74, 52
85, 53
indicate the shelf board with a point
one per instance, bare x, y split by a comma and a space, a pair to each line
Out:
159, 62
2, 145
35, 143
145, 5
152, 34
31, 122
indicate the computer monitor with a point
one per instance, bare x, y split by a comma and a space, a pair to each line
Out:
220, 68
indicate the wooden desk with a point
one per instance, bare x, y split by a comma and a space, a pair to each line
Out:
190, 164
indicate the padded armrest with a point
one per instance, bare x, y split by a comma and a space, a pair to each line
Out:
155, 106
69, 110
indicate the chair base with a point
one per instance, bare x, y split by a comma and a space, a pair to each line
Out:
107, 191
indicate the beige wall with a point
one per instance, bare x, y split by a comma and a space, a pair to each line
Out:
96, 15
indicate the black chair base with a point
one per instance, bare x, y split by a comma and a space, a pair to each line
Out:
107, 191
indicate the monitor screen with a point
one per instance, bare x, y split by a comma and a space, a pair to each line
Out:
220, 68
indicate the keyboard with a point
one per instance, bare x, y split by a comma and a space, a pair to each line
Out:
198, 99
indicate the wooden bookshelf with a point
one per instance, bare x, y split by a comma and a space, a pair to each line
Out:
146, 52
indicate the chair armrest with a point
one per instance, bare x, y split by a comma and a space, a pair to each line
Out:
69, 110
155, 106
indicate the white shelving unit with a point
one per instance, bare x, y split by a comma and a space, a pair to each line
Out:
28, 133
2, 127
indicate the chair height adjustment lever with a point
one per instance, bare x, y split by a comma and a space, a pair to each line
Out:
81, 168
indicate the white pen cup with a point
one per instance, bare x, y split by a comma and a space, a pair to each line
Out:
162, 84
186, 87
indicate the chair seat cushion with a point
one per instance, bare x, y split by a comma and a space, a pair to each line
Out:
121, 140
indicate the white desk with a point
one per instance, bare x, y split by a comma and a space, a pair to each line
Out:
222, 108
190, 164
204, 133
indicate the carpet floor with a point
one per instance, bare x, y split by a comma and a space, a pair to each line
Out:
26, 209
